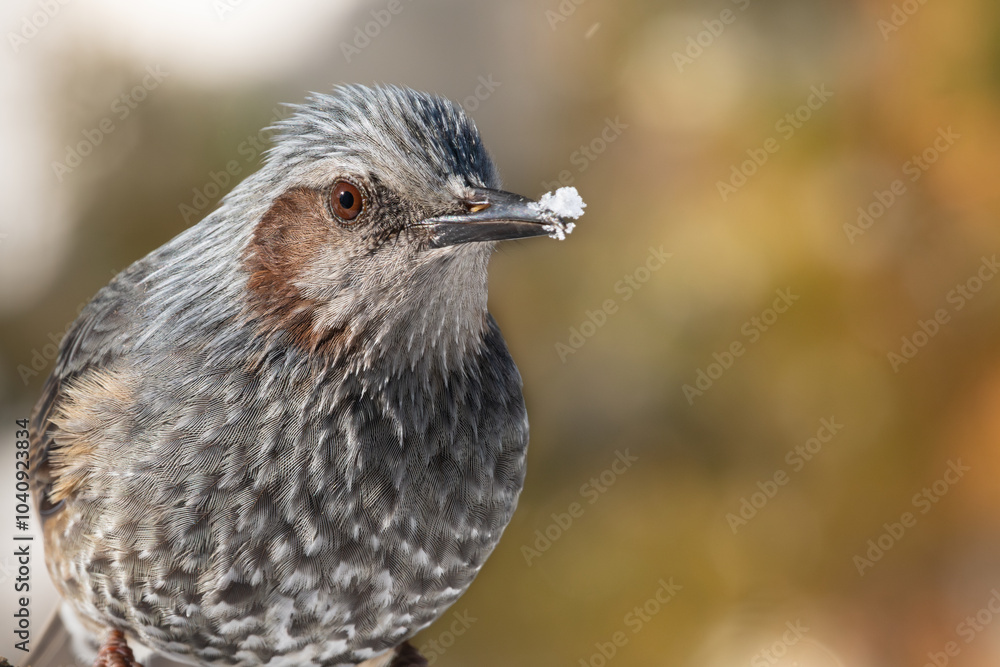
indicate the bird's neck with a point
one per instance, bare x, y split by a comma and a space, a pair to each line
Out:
430, 318
418, 327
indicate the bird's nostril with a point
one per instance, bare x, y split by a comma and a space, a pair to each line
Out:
477, 206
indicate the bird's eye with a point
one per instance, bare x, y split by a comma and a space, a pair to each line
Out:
346, 201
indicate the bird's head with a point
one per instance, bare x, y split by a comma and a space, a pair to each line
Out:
381, 211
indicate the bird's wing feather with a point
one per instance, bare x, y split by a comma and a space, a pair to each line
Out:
89, 343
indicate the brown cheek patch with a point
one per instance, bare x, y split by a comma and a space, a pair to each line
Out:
288, 239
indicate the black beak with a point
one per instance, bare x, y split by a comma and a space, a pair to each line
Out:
494, 215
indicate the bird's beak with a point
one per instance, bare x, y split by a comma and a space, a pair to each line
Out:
494, 215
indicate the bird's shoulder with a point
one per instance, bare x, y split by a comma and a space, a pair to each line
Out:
93, 342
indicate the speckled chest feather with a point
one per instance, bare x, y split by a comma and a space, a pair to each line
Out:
282, 511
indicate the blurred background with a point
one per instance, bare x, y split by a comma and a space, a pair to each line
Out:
763, 374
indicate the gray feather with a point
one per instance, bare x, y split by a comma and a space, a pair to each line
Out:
239, 500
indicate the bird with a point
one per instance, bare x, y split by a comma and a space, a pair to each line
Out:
293, 434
